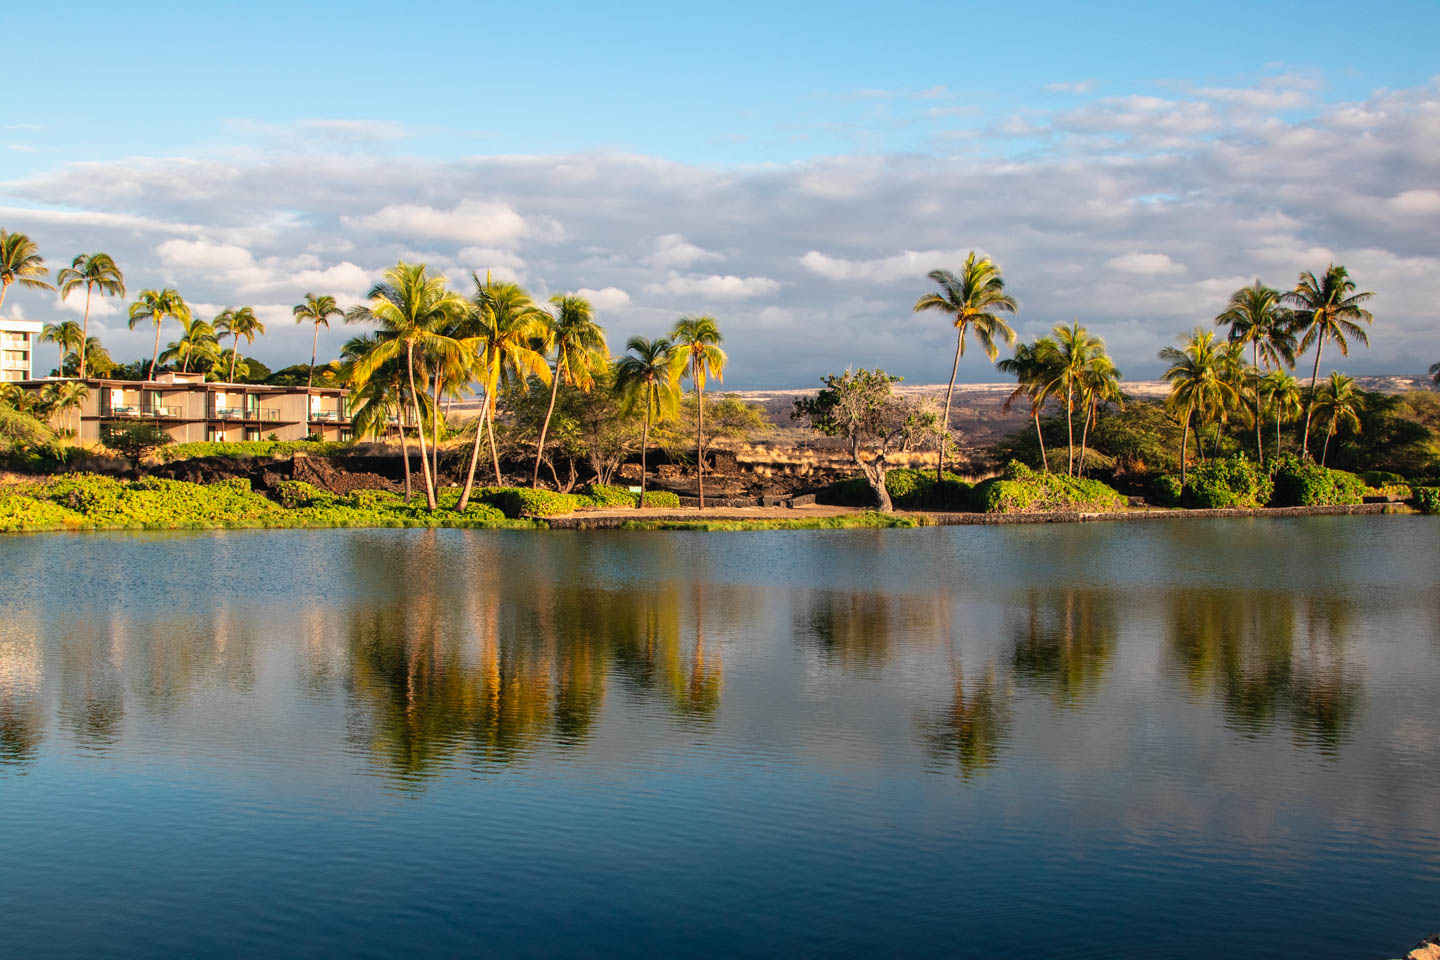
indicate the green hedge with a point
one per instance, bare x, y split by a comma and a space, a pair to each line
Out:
1023, 490
908, 489
524, 502
250, 448
1301, 483
1164, 490
91, 502
1227, 482
612, 497
1427, 500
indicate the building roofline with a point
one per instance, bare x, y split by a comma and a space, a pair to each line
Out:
184, 385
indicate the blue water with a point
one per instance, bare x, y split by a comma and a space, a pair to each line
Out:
1167, 739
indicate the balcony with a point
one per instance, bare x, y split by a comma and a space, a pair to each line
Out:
327, 416
227, 413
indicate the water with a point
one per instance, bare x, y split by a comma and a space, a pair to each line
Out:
1166, 739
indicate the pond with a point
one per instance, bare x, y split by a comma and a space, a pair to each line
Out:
1159, 739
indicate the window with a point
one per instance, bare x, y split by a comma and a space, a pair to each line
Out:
252, 434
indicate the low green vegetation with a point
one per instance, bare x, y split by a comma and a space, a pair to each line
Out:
1023, 490
849, 521
1303, 483
1227, 483
1427, 500
908, 489
250, 448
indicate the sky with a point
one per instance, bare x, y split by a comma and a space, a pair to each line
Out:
794, 170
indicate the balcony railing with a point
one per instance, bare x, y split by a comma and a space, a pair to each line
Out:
228, 413
329, 416
146, 410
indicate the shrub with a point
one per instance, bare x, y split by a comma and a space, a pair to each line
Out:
1427, 500
1380, 478
136, 440
662, 499
1227, 482
1301, 483
1023, 490
1164, 490
251, 448
602, 495
294, 494
524, 502
908, 489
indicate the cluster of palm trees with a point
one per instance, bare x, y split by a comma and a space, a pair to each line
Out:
1211, 379
432, 343
60, 398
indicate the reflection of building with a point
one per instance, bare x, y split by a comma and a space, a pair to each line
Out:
17, 348
191, 409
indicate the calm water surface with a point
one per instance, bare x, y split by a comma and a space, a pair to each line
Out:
1209, 738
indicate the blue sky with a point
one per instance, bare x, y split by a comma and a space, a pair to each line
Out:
673, 155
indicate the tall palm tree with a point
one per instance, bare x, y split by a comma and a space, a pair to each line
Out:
236, 323
379, 399
1099, 383
1283, 391
974, 298
647, 374
695, 348
70, 397
197, 343
316, 311
1435, 372
410, 306
1035, 369
67, 336
580, 348
1201, 378
155, 306
497, 338
97, 358
93, 271
1257, 318
1075, 351
1327, 308
1340, 404
20, 262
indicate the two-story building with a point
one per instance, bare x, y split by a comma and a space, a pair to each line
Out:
190, 409
18, 340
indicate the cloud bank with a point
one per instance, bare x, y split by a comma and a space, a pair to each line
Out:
1136, 215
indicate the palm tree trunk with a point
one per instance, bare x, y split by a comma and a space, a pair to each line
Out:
644, 441
1277, 428
1070, 428
545, 427
494, 450
1325, 450
1310, 407
1085, 436
474, 456
234, 355
4, 287
85, 331
435, 422
1259, 449
949, 392
700, 436
314, 348
1044, 460
155, 355
404, 452
1185, 441
419, 426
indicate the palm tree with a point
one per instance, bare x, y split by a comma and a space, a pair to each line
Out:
93, 271
97, 358
1282, 390
237, 323
1435, 372
497, 339
155, 306
70, 396
67, 336
1256, 317
20, 262
317, 311
1035, 369
579, 345
647, 374
410, 306
695, 347
379, 399
1099, 383
197, 343
1328, 308
1201, 378
1341, 404
974, 298
1075, 351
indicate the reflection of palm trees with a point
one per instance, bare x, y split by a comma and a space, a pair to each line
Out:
1243, 648
1067, 641
972, 729
22, 721
859, 627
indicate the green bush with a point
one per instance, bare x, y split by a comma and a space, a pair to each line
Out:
1302, 483
524, 502
136, 440
908, 489
1227, 482
1023, 490
1164, 490
1427, 500
662, 499
251, 448
602, 495
1380, 478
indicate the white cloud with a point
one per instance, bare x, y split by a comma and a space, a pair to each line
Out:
907, 264
674, 251
1077, 86
608, 298
1417, 201
1145, 264
469, 222
726, 287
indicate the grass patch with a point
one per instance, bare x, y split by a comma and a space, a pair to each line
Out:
849, 521
250, 448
